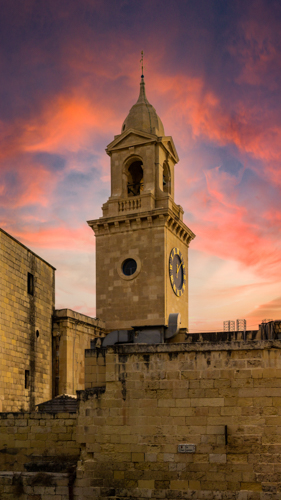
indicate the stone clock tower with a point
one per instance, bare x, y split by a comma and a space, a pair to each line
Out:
141, 239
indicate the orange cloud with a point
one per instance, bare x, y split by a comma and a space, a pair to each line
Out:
269, 310
36, 185
228, 235
81, 238
67, 123
227, 229
196, 105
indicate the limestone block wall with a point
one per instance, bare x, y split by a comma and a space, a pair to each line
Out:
142, 297
35, 486
72, 333
25, 326
32, 438
95, 368
222, 398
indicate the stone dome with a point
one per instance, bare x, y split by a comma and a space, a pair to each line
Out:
142, 116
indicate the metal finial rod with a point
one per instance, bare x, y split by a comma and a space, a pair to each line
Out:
141, 61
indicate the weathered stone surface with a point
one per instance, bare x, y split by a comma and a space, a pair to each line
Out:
26, 308
49, 443
150, 403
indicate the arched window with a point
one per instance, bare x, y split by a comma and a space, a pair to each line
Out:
135, 178
166, 178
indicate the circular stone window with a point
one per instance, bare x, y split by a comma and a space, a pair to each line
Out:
129, 267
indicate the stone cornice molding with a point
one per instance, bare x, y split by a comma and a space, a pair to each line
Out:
78, 318
143, 220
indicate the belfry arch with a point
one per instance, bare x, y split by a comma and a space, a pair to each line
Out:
166, 178
134, 181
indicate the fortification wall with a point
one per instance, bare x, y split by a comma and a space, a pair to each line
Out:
26, 308
40, 441
222, 398
36, 486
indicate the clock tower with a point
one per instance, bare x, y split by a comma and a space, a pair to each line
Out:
141, 239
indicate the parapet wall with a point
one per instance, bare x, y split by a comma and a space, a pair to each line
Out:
222, 398
36, 486
177, 421
38, 440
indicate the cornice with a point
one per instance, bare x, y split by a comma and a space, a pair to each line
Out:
144, 220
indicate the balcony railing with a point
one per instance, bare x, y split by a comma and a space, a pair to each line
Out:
129, 204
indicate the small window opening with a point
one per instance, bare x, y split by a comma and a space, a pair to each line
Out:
30, 283
26, 379
37, 334
166, 179
129, 267
135, 179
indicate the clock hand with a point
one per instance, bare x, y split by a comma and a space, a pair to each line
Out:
178, 267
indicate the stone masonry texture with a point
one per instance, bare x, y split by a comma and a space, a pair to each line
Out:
25, 327
72, 334
224, 398
32, 438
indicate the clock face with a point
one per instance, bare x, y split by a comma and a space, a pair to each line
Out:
177, 272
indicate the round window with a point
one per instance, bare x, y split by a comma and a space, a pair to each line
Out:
129, 267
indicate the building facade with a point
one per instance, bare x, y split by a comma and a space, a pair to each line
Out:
72, 334
27, 290
42, 349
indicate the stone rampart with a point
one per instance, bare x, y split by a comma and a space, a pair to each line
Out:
38, 441
224, 399
35, 486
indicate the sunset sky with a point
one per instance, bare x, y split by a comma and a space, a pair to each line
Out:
70, 73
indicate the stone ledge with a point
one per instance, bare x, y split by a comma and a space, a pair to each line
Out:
62, 314
188, 347
138, 493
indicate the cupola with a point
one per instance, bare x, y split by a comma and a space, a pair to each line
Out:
142, 116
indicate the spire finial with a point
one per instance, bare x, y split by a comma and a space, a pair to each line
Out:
141, 61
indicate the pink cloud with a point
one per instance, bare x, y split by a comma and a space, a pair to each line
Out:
66, 123
228, 235
228, 229
269, 310
80, 239
251, 127
36, 183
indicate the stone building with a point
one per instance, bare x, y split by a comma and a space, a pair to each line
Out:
27, 290
42, 349
72, 334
